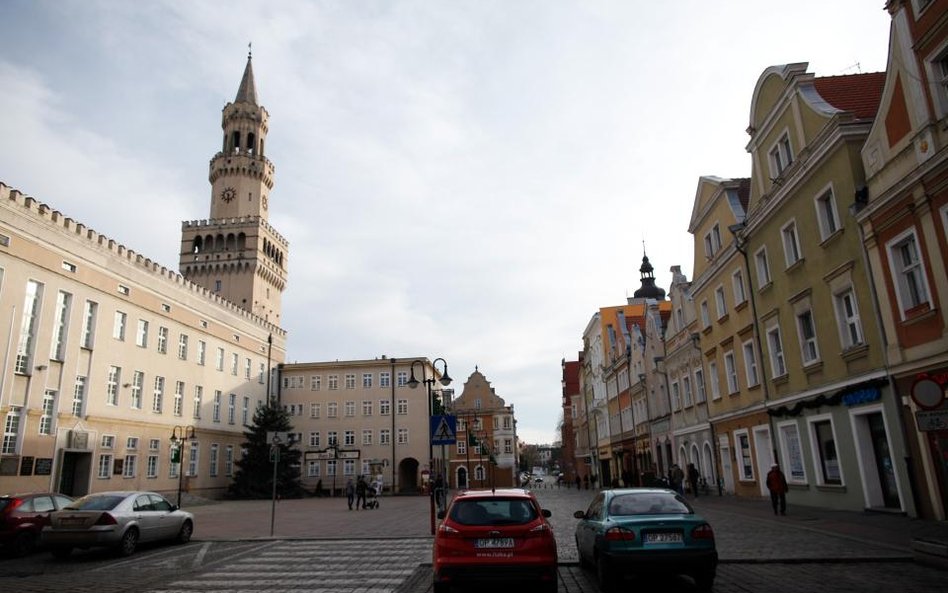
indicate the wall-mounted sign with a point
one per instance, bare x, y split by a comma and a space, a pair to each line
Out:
43, 467
927, 393
932, 420
26, 466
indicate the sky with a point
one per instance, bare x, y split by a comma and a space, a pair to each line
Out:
470, 180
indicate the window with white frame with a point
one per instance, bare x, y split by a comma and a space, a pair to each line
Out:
385, 379
763, 267
385, 436
350, 381
88, 324
198, 396
79, 396
385, 407
792, 452
118, 326
314, 438
826, 214
332, 438
130, 466
108, 441
778, 365
366, 380
245, 411
158, 395
402, 436
232, 408
333, 382
315, 409
908, 273
194, 454
138, 386
202, 352
791, 243
248, 369
112, 385
713, 380
48, 412
402, 407
312, 469
401, 378
30, 319
348, 467
827, 457
162, 340
151, 466
332, 410
686, 390
212, 460
131, 443
141, 334
229, 460
847, 315
750, 363
350, 408
676, 396
737, 283
366, 436
712, 241
730, 370
349, 438
720, 302
105, 466
745, 465
61, 327
781, 156
367, 407
705, 315
331, 467
234, 363
462, 446
807, 332
178, 398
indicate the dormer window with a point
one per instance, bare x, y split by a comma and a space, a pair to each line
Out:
781, 156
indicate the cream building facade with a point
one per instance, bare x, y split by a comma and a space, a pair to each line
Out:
108, 354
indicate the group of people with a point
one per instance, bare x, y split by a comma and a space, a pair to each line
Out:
362, 494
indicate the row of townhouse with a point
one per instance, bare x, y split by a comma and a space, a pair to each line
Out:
811, 334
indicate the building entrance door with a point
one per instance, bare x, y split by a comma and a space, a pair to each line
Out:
883, 459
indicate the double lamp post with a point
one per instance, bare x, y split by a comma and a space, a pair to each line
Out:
179, 436
413, 383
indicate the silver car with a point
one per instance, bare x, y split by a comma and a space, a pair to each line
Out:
118, 520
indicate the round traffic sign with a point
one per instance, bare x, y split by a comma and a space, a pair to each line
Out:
927, 393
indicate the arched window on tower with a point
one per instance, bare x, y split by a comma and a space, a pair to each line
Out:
241, 241
251, 142
197, 245
235, 141
261, 147
231, 242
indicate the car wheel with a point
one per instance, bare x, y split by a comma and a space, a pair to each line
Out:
184, 534
61, 552
24, 544
604, 575
704, 580
129, 542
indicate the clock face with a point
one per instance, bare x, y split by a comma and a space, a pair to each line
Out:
228, 194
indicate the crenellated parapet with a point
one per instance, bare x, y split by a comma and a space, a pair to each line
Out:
28, 206
211, 224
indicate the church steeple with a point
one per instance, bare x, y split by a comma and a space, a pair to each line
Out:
235, 252
648, 289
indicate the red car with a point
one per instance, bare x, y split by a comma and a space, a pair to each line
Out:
23, 516
495, 536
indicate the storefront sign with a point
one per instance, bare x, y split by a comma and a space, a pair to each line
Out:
932, 420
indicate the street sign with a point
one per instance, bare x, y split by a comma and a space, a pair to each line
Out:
932, 420
443, 430
278, 438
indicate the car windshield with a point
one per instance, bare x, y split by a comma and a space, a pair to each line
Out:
649, 503
96, 502
493, 511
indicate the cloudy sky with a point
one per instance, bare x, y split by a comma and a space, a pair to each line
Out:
469, 180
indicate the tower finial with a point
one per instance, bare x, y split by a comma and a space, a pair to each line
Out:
250, 50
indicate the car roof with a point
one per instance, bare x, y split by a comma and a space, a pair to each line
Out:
617, 491
505, 492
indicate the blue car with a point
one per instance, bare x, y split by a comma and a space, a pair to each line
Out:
645, 531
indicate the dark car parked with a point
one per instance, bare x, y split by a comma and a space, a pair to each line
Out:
22, 518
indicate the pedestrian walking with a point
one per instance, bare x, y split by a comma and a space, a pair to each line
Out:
586, 481
676, 478
693, 479
579, 482
777, 484
361, 487
350, 493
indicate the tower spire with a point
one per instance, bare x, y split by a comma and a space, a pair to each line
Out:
247, 92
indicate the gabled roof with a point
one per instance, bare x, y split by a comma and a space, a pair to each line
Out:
859, 94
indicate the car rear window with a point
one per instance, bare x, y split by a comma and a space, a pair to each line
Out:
96, 503
493, 511
649, 503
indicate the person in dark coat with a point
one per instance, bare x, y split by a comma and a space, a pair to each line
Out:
777, 484
361, 487
693, 479
350, 493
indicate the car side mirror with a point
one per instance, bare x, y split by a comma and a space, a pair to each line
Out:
580, 514
441, 514
546, 512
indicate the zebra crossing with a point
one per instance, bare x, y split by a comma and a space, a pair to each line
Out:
311, 566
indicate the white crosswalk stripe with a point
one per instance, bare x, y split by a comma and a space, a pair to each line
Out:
366, 566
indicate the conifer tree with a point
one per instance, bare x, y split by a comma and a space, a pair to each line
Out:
254, 476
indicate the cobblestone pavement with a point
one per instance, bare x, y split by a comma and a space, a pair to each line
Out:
320, 546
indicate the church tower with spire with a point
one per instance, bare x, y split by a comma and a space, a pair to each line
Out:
235, 253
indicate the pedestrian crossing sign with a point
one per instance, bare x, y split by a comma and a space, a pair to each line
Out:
443, 430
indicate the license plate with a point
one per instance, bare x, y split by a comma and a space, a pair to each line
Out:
663, 538
494, 542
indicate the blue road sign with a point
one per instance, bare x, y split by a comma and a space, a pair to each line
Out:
444, 430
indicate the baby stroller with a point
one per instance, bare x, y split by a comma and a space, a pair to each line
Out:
372, 495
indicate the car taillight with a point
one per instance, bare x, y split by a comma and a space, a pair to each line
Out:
541, 530
8, 509
447, 531
106, 519
619, 534
702, 531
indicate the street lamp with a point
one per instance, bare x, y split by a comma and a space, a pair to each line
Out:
413, 383
179, 435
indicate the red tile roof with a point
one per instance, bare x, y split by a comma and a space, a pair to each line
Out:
858, 94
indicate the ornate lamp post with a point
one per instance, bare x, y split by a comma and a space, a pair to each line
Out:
413, 383
180, 435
